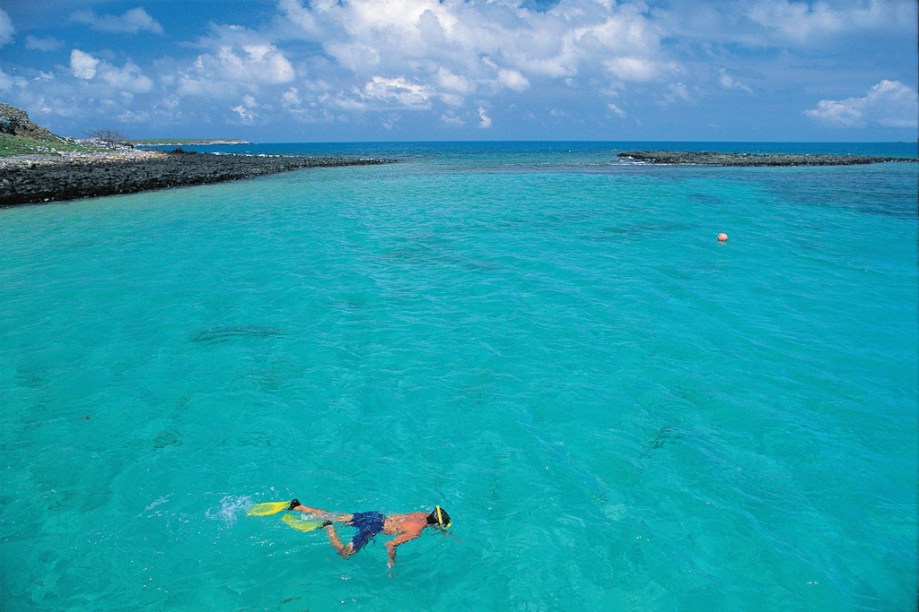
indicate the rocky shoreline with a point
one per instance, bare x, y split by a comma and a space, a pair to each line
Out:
706, 158
33, 179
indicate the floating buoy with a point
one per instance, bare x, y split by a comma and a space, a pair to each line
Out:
722, 237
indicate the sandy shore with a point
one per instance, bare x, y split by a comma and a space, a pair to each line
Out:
750, 159
32, 179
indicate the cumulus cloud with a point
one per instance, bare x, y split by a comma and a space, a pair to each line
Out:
512, 79
484, 119
464, 61
131, 22
795, 24
261, 63
246, 110
236, 59
804, 22
291, 97
633, 68
887, 104
9, 83
456, 48
128, 78
6, 28
35, 43
398, 92
797, 20
452, 119
83, 65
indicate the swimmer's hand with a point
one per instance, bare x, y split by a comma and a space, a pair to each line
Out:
391, 549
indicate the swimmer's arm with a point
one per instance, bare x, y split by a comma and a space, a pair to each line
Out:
396, 541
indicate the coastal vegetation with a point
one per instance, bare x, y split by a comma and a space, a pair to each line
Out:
21, 145
20, 136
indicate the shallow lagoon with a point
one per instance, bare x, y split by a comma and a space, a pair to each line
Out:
618, 411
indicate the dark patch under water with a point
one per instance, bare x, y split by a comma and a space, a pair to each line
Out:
222, 334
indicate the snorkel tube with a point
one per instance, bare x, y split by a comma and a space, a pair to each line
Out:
439, 518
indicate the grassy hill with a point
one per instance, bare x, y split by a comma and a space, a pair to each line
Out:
20, 136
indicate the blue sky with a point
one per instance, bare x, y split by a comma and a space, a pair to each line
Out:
369, 70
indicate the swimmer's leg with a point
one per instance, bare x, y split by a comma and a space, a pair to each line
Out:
343, 550
325, 515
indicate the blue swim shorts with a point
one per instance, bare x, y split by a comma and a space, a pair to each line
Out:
368, 525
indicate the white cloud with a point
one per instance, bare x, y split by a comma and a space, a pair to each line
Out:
798, 21
35, 43
247, 110
809, 22
83, 65
240, 60
728, 82
454, 48
632, 68
454, 82
367, 61
675, 94
128, 78
787, 24
513, 80
8, 83
452, 120
131, 22
6, 28
616, 109
887, 104
291, 97
398, 92
484, 119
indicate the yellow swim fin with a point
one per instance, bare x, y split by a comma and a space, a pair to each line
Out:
268, 508
300, 525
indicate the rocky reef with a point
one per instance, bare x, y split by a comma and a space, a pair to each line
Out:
34, 179
39, 166
754, 159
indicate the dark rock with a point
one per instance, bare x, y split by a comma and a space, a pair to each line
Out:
707, 158
16, 122
68, 179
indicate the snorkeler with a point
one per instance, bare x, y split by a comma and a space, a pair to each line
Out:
405, 527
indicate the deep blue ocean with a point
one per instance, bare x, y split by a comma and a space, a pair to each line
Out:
618, 411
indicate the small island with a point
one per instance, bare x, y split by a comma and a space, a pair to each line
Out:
185, 142
706, 158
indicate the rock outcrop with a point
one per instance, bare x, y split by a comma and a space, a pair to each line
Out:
706, 158
16, 122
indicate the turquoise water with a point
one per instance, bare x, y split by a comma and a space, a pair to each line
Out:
617, 411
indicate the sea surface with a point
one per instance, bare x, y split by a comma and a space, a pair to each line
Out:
618, 411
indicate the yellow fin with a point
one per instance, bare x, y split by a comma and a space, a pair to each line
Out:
300, 525
268, 508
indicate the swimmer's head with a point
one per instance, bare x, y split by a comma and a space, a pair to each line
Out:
439, 518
